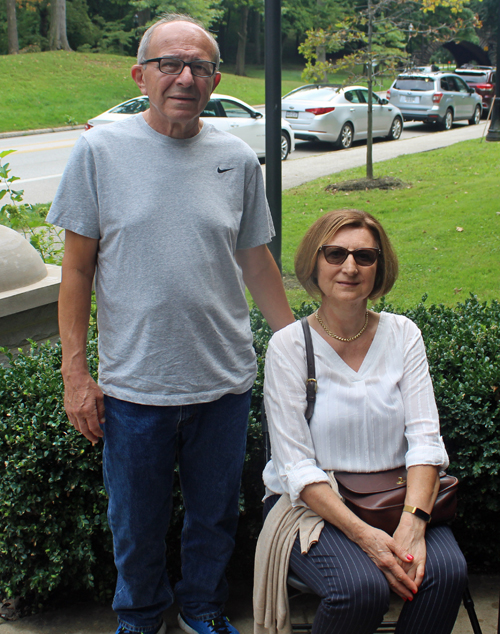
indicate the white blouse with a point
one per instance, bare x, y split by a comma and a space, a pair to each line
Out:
381, 417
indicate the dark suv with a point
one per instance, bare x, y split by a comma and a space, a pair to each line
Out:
482, 79
435, 98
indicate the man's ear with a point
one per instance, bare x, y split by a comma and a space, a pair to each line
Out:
137, 73
217, 78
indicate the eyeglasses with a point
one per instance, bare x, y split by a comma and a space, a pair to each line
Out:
338, 255
175, 66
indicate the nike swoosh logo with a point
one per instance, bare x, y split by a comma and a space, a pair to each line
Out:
228, 169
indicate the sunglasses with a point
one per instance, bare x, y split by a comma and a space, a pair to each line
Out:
338, 255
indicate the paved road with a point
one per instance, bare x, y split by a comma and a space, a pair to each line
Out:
421, 139
40, 159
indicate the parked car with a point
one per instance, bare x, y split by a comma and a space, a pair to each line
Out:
482, 79
327, 112
439, 98
225, 113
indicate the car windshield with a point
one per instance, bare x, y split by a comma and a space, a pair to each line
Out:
474, 76
132, 107
313, 94
414, 83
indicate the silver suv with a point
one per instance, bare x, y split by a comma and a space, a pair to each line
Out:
435, 98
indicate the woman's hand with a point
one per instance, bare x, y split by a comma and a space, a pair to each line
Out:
410, 536
392, 557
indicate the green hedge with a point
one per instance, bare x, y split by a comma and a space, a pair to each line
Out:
53, 531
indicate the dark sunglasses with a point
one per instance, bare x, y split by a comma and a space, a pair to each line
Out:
338, 255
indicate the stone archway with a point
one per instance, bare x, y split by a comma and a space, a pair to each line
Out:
466, 52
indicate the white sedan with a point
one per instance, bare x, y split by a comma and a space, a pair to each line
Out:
225, 113
339, 115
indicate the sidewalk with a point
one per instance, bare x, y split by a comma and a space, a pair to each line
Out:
90, 618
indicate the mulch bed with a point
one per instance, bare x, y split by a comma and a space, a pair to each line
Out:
365, 184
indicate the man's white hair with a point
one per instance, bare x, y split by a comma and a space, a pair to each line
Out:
142, 51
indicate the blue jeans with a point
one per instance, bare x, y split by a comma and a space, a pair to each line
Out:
141, 443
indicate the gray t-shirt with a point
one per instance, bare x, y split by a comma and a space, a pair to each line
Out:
169, 215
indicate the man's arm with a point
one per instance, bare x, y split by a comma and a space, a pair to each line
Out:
263, 280
83, 399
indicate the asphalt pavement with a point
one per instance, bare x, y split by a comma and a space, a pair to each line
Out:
302, 170
39, 159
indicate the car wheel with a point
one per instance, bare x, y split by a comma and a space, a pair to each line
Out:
476, 117
448, 120
345, 137
396, 129
285, 145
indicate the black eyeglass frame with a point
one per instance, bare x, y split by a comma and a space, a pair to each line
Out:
184, 64
354, 252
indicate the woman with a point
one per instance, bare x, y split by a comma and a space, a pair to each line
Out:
375, 410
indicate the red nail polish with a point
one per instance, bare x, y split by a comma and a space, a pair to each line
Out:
414, 591
410, 557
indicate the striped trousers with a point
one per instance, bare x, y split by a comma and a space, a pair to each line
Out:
355, 593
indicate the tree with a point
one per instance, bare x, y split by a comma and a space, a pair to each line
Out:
13, 42
377, 36
57, 35
206, 11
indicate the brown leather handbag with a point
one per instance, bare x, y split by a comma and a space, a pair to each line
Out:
378, 497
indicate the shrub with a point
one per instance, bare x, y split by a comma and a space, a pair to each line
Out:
463, 348
53, 530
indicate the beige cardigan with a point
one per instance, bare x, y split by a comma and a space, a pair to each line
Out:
272, 556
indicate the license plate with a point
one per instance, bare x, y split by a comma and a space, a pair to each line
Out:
292, 115
410, 99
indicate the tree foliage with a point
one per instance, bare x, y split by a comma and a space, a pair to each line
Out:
375, 39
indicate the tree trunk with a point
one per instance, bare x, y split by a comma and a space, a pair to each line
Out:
321, 50
242, 41
369, 140
321, 57
57, 35
13, 42
257, 21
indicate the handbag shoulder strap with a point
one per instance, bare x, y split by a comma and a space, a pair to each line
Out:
311, 383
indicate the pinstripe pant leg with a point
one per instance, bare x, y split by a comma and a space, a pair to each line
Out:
435, 606
354, 593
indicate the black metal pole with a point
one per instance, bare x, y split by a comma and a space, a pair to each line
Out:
273, 119
494, 129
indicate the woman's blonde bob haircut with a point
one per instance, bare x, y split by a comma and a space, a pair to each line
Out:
323, 232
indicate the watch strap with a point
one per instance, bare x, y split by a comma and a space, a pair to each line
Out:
414, 510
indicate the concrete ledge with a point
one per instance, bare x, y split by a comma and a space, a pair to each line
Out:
45, 291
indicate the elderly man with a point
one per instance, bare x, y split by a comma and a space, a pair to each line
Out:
170, 216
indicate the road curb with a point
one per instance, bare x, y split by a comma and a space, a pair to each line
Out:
7, 135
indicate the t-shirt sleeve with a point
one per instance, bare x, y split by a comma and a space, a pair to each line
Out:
425, 445
75, 205
256, 225
292, 446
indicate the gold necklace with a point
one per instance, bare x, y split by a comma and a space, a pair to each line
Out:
332, 334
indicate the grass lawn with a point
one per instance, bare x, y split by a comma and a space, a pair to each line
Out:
58, 88
445, 228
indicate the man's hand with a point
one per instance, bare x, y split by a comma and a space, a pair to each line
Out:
263, 280
84, 404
